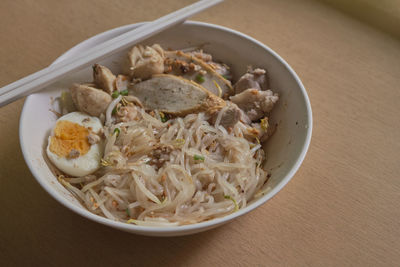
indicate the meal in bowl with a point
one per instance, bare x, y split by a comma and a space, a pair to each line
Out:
168, 142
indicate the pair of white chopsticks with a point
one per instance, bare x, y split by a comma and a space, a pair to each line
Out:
44, 77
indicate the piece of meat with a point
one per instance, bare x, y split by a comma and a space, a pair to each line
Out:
195, 69
175, 95
256, 79
103, 78
90, 100
255, 103
144, 61
229, 115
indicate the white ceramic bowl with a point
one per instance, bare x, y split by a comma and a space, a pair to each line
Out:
286, 149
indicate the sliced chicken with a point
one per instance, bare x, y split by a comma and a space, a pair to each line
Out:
255, 103
256, 79
103, 78
90, 100
144, 61
175, 95
192, 68
228, 116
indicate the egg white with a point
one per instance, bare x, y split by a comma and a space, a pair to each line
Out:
84, 164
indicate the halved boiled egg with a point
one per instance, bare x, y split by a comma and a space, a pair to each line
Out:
74, 145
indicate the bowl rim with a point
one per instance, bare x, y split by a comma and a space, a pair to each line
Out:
184, 228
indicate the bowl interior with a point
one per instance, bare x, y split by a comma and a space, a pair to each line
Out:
285, 149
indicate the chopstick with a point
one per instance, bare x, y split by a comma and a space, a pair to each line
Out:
47, 76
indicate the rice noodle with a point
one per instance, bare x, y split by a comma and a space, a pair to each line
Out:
110, 108
175, 173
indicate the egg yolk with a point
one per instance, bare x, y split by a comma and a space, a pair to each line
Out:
69, 137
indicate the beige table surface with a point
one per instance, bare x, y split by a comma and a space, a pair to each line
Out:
340, 209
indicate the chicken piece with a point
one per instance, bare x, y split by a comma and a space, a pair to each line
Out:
103, 78
195, 69
255, 103
244, 118
229, 115
256, 79
89, 99
144, 61
175, 95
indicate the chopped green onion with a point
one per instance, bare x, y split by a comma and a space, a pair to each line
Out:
124, 92
233, 200
200, 78
225, 77
128, 212
117, 131
114, 111
163, 117
198, 157
115, 94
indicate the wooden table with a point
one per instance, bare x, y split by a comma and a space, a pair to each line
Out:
340, 209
